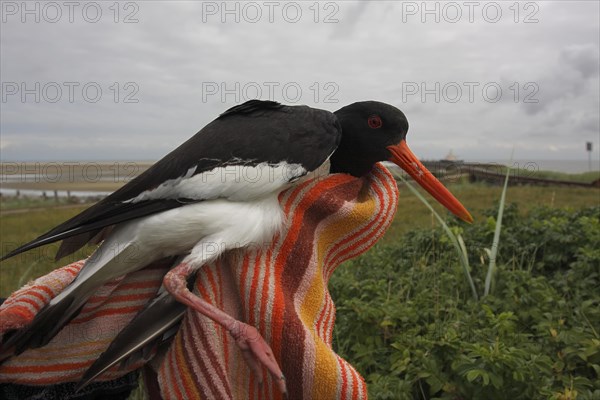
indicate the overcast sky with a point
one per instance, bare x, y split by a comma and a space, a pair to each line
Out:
479, 78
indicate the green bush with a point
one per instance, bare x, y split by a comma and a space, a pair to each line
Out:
407, 321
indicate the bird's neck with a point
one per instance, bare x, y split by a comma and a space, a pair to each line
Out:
349, 161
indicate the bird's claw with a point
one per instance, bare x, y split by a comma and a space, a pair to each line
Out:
257, 352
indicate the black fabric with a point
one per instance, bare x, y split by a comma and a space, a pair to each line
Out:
116, 389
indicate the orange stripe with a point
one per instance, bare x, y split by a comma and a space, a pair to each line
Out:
324, 319
40, 296
101, 313
293, 195
254, 288
242, 285
15, 369
22, 310
342, 365
381, 217
336, 255
355, 379
180, 360
252, 385
43, 288
120, 298
221, 283
140, 285
174, 369
202, 290
363, 387
265, 293
216, 273
163, 374
34, 303
74, 269
191, 353
69, 350
211, 281
39, 380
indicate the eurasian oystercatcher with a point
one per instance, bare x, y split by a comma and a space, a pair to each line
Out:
216, 192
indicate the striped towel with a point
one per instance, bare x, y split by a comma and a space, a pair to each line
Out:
281, 289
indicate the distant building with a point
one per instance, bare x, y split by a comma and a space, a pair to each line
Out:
451, 157
450, 161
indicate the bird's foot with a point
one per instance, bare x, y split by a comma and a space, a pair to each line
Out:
254, 348
257, 352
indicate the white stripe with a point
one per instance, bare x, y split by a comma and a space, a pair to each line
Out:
233, 182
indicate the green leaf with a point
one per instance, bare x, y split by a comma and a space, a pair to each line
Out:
496, 241
473, 374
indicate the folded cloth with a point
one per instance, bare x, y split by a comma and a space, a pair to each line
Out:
280, 288
119, 388
73, 350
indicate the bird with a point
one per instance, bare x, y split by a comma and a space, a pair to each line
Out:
217, 192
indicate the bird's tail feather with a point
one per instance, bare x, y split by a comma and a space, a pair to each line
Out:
71, 244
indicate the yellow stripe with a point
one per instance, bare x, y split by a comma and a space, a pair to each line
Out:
360, 214
326, 381
331, 233
185, 373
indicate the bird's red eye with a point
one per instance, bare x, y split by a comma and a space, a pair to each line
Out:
374, 121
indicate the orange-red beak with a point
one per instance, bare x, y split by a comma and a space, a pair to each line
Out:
405, 159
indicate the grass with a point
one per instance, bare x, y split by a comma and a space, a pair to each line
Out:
477, 197
50, 187
585, 177
494, 251
16, 229
13, 203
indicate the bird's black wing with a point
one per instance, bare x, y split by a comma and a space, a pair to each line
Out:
251, 133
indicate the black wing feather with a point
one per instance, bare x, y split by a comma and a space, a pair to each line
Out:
252, 132
252, 106
142, 332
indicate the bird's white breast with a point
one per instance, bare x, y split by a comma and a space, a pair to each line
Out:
218, 225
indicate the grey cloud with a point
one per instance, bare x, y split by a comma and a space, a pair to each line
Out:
583, 58
369, 54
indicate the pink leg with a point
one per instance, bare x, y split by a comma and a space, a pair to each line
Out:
254, 348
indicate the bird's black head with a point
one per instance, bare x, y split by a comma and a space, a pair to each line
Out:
374, 131
368, 128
